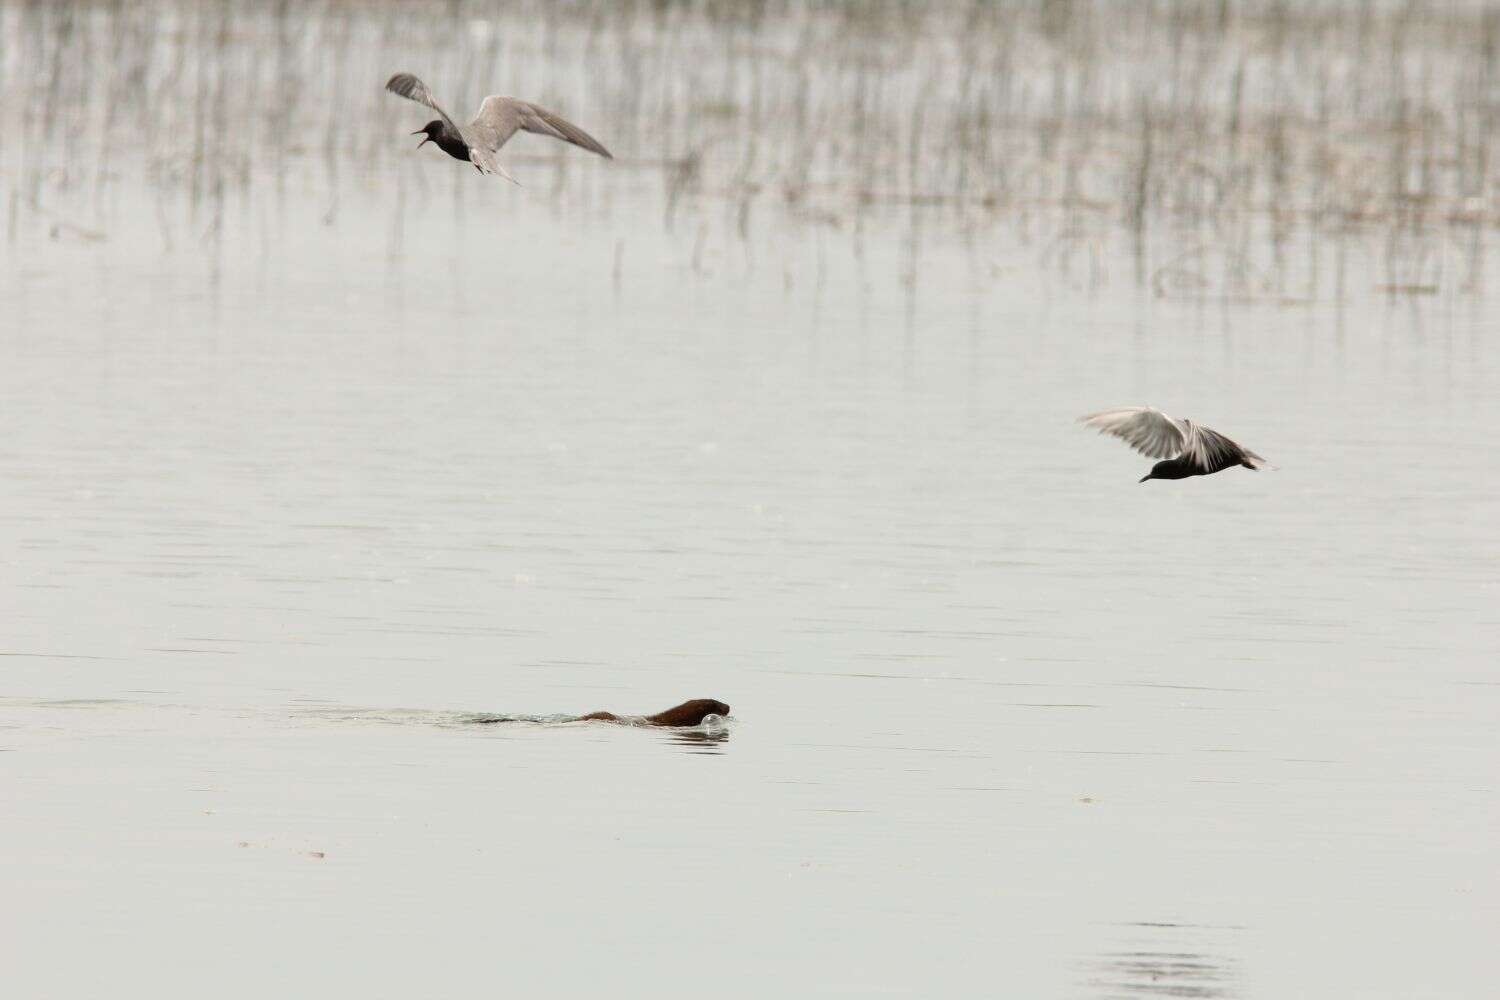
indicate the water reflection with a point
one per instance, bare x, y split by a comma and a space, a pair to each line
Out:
704, 741
1163, 960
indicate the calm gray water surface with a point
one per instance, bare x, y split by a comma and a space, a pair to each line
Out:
1005, 721
283, 509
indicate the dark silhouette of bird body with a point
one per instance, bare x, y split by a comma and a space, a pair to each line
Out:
1187, 449
498, 119
449, 142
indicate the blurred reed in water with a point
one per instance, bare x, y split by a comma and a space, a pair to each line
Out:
1241, 121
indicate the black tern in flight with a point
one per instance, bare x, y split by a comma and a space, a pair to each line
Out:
499, 118
1189, 449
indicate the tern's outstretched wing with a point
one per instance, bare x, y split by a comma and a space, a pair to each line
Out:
409, 87
1145, 428
1212, 451
500, 117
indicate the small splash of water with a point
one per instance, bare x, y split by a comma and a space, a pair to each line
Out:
491, 718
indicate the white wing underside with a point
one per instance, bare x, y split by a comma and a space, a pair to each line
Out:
1145, 428
489, 163
1157, 435
500, 118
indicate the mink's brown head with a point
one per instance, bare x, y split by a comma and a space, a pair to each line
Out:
690, 713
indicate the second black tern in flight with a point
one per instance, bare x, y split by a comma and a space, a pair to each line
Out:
1189, 449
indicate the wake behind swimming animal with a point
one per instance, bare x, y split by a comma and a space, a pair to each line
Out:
689, 713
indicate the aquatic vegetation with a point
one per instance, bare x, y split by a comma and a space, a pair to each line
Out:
1237, 125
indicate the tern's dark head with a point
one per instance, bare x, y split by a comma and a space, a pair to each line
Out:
431, 130
1172, 468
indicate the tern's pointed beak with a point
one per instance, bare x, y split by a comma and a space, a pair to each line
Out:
1144, 478
425, 137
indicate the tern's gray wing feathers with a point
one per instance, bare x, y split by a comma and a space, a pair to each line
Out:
497, 121
1145, 428
1212, 451
1208, 449
407, 86
545, 122
500, 117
